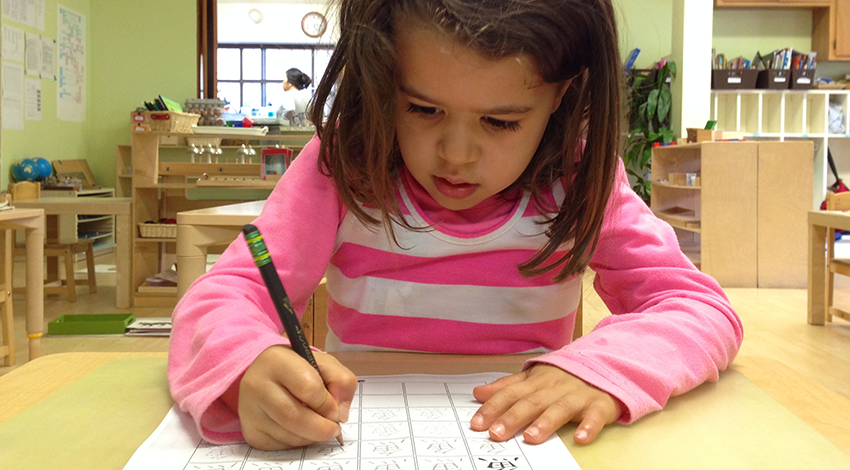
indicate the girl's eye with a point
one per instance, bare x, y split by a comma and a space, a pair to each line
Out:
426, 110
501, 125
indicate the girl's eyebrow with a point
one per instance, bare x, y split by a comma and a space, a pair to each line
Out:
498, 110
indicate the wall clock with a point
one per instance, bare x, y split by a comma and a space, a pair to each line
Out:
314, 24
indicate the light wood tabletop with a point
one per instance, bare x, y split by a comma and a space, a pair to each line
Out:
93, 410
197, 230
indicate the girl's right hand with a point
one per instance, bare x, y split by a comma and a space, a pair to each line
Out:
283, 402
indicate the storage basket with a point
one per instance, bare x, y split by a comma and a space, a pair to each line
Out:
734, 79
172, 121
774, 79
158, 230
802, 79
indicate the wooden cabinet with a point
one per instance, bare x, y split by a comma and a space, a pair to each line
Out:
744, 223
772, 3
831, 31
163, 182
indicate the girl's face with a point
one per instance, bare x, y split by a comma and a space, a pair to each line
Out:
467, 126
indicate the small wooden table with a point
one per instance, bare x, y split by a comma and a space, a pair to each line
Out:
819, 223
120, 207
200, 229
93, 410
31, 220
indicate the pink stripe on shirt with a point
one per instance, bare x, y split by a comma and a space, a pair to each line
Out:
501, 267
446, 336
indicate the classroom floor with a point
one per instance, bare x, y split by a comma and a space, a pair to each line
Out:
774, 327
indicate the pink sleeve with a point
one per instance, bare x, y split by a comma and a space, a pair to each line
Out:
226, 319
672, 326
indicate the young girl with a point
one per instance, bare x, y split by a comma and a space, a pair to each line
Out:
467, 176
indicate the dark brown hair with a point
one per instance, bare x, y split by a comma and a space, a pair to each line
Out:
565, 38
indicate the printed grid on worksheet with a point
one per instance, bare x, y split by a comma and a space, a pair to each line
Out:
392, 426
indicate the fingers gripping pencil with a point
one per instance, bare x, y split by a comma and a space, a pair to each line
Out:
263, 260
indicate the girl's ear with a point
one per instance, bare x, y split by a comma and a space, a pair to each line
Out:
557, 103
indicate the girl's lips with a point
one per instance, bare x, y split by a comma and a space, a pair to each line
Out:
454, 191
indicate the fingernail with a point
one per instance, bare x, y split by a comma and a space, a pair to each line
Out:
532, 433
344, 409
498, 429
581, 435
477, 421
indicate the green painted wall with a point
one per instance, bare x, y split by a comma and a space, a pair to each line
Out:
139, 50
646, 25
49, 138
744, 32
134, 51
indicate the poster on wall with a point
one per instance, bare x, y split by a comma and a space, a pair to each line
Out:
48, 59
13, 96
13, 43
33, 63
21, 11
71, 86
33, 99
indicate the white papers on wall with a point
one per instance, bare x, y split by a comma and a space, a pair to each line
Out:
33, 99
21, 11
13, 43
48, 58
33, 53
71, 55
13, 96
40, 15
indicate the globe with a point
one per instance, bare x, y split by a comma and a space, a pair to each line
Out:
25, 170
45, 168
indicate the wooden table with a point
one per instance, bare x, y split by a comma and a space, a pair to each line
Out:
31, 220
93, 410
120, 207
200, 229
819, 223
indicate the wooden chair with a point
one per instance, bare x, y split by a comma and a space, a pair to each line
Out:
835, 202
315, 319
53, 250
7, 349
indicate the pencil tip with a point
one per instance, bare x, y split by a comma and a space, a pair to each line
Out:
339, 439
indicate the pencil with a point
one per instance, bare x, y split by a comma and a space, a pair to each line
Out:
263, 260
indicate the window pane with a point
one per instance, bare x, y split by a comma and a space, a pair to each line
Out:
323, 56
278, 61
274, 94
252, 66
229, 92
227, 67
251, 95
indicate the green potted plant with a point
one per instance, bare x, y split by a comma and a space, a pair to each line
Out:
649, 100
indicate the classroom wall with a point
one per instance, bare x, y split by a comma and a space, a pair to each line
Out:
49, 138
139, 50
646, 25
745, 32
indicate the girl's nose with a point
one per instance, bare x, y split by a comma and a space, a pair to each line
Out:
458, 145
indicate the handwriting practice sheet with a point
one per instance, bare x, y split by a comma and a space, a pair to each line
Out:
400, 422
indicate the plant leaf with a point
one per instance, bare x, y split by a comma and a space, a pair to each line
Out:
665, 99
651, 104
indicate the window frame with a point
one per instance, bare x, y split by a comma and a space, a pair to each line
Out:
263, 48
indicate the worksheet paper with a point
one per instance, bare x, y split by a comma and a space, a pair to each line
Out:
400, 422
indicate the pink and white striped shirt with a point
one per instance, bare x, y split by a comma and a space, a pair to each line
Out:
454, 288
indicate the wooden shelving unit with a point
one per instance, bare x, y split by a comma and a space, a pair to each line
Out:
161, 188
784, 115
745, 224
74, 228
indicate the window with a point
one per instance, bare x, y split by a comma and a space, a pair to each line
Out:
250, 76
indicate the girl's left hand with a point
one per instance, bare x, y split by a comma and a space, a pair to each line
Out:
547, 397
